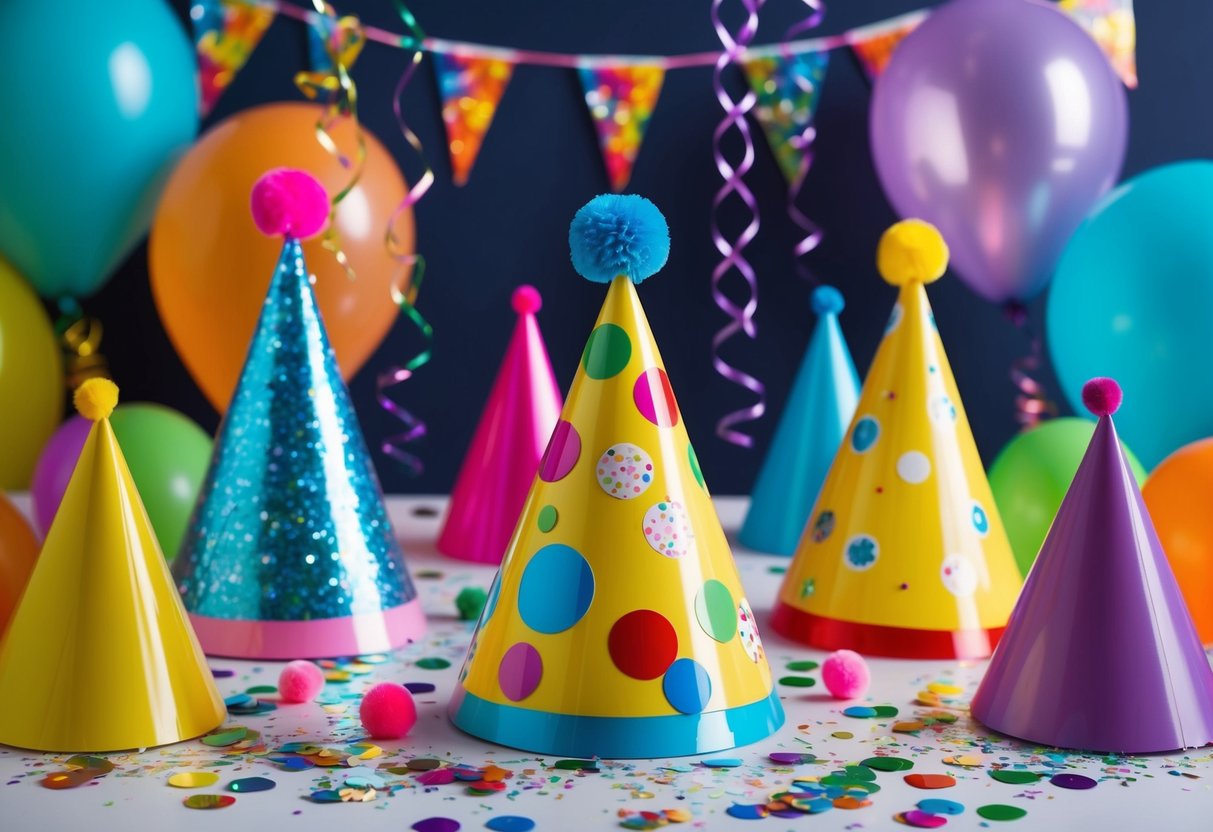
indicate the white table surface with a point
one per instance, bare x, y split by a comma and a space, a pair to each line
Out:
1163, 792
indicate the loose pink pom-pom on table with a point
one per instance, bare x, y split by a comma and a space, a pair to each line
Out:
388, 711
845, 674
289, 202
300, 681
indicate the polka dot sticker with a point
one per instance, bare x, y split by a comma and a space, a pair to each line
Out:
520, 671
941, 410
667, 529
894, 318
564, 448
654, 398
958, 575
556, 589
547, 518
625, 471
695, 469
643, 644
715, 611
865, 434
913, 467
861, 552
747, 630
823, 526
981, 520
607, 352
687, 687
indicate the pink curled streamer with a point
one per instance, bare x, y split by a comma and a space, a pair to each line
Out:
803, 143
741, 318
1032, 404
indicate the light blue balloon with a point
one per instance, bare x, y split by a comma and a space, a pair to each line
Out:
100, 100
1133, 299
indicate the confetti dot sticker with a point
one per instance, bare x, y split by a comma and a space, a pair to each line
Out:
208, 801
563, 451
654, 398
823, 526
913, 467
607, 351
695, 469
643, 644
981, 520
1000, 811
193, 779
546, 521
865, 434
520, 670
747, 630
625, 471
668, 529
861, 552
556, 589
715, 611
958, 575
687, 687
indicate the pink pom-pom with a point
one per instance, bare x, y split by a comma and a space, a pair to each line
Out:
845, 674
526, 300
291, 203
300, 681
1102, 396
387, 711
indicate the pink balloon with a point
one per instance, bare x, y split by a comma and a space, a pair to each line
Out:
55, 468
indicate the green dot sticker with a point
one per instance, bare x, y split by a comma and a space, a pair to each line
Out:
607, 352
547, 518
715, 610
695, 469
1000, 811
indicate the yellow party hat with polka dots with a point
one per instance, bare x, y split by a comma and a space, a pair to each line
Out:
617, 625
904, 554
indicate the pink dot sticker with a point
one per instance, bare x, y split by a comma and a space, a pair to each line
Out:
564, 449
654, 398
625, 471
520, 671
667, 529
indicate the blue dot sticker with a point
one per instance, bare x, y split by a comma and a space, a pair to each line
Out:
981, 520
865, 434
556, 589
861, 552
687, 687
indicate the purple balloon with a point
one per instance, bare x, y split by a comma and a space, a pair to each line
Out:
55, 468
1001, 122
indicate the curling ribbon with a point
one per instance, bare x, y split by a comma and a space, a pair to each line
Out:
80, 338
1032, 405
804, 144
741, 317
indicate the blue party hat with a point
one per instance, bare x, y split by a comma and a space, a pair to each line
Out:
816, 417
290, 553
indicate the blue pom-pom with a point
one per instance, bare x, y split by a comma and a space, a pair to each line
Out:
618, 234
826, 300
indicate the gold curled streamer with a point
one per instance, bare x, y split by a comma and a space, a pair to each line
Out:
80, 338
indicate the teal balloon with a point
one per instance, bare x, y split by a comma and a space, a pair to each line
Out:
815, 418
101, 99
1133, 299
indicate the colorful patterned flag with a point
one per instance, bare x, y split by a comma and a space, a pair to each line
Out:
621, 100
1114, 28
874, 46
225, 35
470, 89
788, 89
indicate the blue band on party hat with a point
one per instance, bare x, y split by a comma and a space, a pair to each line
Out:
570, 735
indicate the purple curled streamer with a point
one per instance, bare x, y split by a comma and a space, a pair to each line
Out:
741, 318
803, 144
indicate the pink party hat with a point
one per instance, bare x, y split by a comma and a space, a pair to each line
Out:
518, 420
1100, 652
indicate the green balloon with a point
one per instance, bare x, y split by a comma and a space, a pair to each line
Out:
1031, 475
168, 456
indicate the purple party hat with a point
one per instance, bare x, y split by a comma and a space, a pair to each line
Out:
1100, 652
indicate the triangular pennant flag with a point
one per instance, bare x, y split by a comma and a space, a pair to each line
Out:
470, 88
1112, 24
329, 38
904, 554
874, 46
621, 100
1100, 604
788, 89
225, 34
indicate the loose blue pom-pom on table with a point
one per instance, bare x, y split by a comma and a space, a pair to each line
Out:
618, 234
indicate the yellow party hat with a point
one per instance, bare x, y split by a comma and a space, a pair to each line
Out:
617, 626
904, 554
99, 655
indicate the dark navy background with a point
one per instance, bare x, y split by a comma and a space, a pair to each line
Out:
540, 162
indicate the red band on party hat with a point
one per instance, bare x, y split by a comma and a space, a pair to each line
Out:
892, 642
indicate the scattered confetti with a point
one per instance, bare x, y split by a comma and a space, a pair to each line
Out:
225, 736
888, 763
510, 823
68, 779
432, 663
577, 765
193, 779
802, 666
722, 762
791, 758
859, 712
922, 820
964, 761
208, 801
842, 735
251, 784
999, 811
748, 812
936, 806
436, 825
1015, 777
930, 781
423, 764
419, 687
1072, 781
797, 681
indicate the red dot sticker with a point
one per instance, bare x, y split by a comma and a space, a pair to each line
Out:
643, 644
654, 398
564, 449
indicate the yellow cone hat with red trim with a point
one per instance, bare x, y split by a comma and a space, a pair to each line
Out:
99, 655
617, 625
904, 554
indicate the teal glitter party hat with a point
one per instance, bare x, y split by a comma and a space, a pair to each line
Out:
290, 553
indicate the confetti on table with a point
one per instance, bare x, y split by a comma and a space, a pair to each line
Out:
208, 801
419, 687
225, 736
510, 823
797, 681
222, 674
965, 761
791, 758
722, 762
423, 764
801, 666
851, 802
576, 765
436, 825
68, 779
748, 812
1016, 777
888, 763
912, 726
1072, 781
193, 779
945, 689
842, 735
859, 712
251, 784
937, 806
433, 663
930, 781
922, 820
325, 796
999, 811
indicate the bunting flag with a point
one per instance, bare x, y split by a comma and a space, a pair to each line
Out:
470, 88
331, 37
874, 45
225, 35
787, 90
1112, 25
621, 99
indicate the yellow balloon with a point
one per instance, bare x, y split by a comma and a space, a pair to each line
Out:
31, 380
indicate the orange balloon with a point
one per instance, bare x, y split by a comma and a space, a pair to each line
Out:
18, 551
210, 267
1178, 495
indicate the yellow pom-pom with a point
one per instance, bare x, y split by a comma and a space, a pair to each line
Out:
96, 398
912, 251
